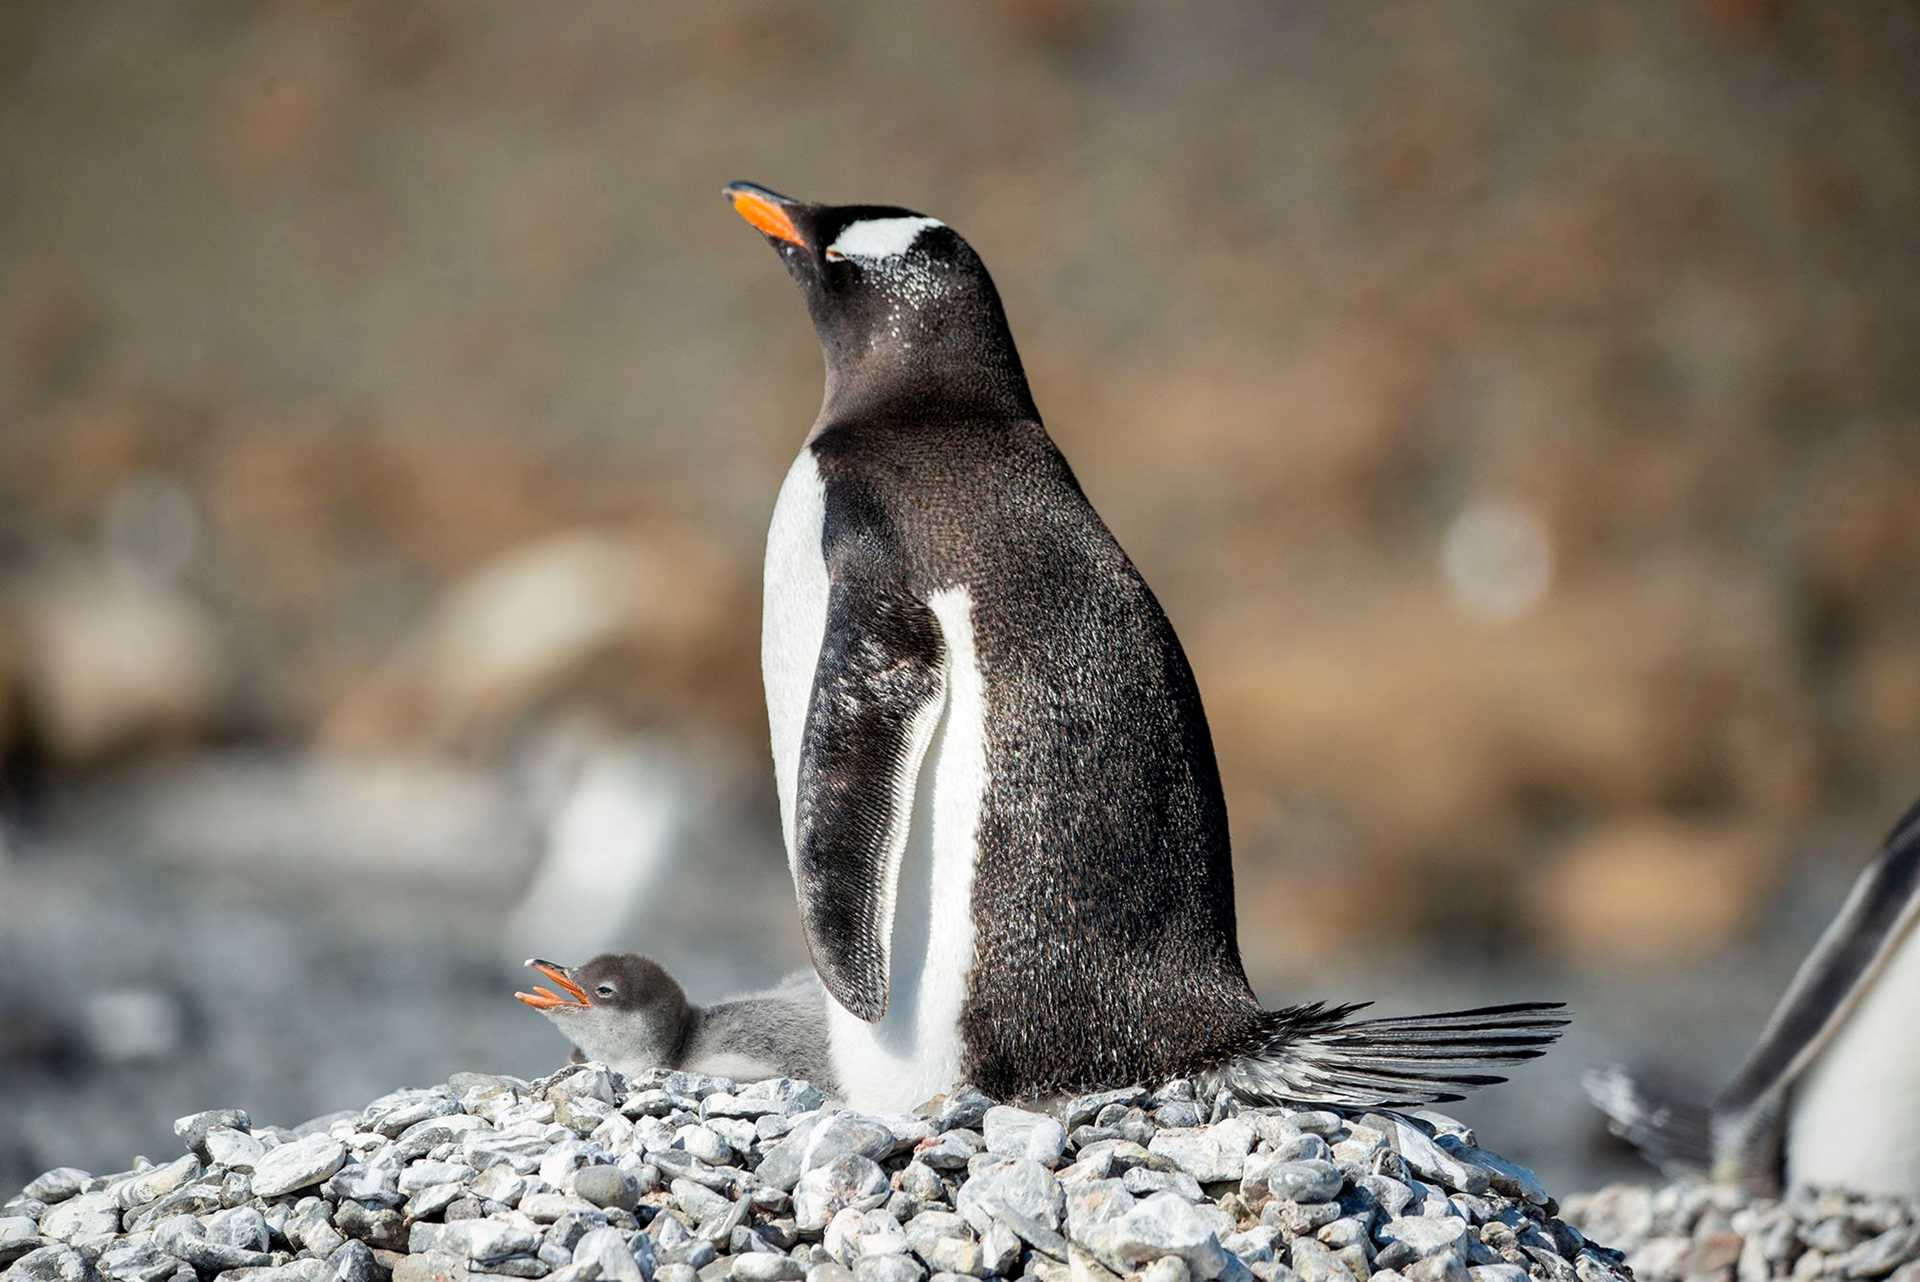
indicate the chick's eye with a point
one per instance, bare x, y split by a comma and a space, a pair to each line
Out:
605, 990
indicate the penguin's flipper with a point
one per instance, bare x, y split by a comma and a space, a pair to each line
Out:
878, 690
1675, 1135
1316, 1054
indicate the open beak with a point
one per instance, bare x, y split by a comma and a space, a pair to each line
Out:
544, 999
768, 211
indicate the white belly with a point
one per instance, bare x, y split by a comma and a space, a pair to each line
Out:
792, 622
914, 1051
1854, 1118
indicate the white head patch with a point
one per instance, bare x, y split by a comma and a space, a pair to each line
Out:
879, 237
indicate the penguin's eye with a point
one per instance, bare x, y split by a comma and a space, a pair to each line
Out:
605, 990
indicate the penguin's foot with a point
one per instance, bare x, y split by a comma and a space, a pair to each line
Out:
1317, 1055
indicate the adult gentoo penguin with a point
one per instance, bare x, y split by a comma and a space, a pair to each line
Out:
627, 1012
996, 783
1830, 1095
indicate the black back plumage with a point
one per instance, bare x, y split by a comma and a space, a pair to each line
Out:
1103, 900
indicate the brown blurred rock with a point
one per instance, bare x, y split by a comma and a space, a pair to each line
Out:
110, 659
1447, 734
605, 619
12, 714
1652, 887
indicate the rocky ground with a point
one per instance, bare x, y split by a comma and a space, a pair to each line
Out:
586, 1176
1700, 1231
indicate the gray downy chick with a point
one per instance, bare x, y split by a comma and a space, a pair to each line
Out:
625, 1011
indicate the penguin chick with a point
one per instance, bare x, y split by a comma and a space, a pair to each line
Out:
625, 1011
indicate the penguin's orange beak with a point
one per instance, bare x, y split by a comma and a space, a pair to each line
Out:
544, 999
765, 211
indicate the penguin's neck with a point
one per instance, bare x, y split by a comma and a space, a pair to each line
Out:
960, 373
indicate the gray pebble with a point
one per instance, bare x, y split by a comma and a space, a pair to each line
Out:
246, 1228
1015, 1132
300, 1164
159, 1181
1426, 1235
377, 1226
888, 1268
1497, 1273
86, 1215
850, 1181
1305, 1148
1315, 1262
845, 1133
955, 1255
609, 1250
762, 1267
1082, 1109
194, 1127
607, 1186
829, 1272
1011, 1187
18, 1236
854, 1234
1299, 1218
1163, 1224
1208, 1154
1179, 1114
52, 1264
432, 1267
1445, 1267
700, 1202
351, 1262
374, 1182
953, 1150
1305, 1181
31, 1208
962, 1109
395, 1112
922, 1182
62, 1182
1878, 1257
1142, 1181
137, 1261
233, 1148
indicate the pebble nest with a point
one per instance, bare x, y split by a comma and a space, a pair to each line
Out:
587, 1176
1692, 1232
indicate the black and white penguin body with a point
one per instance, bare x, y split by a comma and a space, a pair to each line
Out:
996, 781
625, 1011
1842, 1045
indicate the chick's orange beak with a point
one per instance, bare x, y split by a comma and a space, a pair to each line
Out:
766, 216
542, 998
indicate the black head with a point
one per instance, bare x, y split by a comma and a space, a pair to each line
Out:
620, 1008
630, 982
623, 982
908, 318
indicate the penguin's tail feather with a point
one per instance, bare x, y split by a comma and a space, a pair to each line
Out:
1318, 1054
1674, 1134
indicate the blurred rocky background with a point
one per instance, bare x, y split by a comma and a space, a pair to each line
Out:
1514, 405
